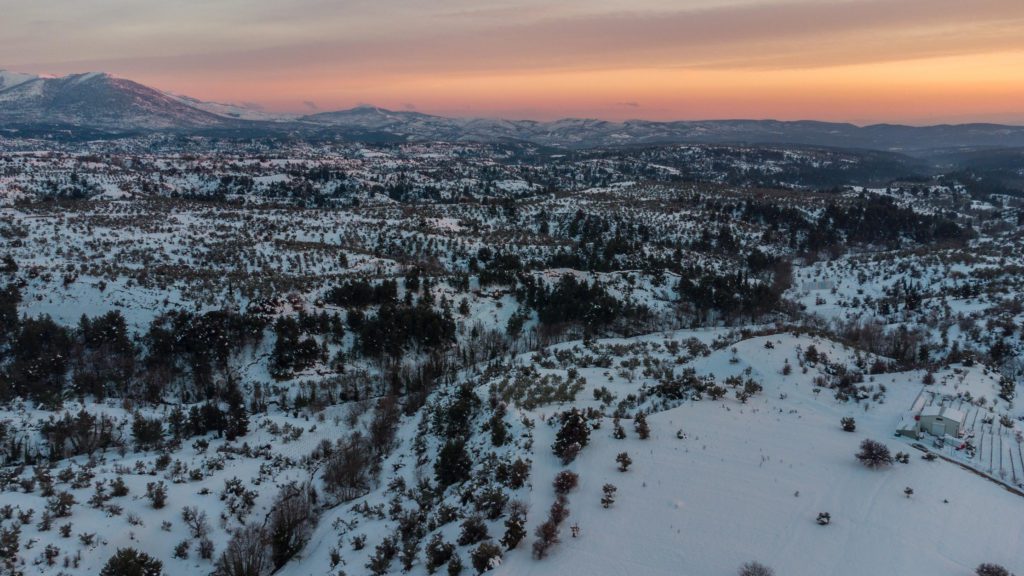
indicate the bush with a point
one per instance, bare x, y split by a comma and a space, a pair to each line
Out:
487, 556
643, 430
874, 454
987, 569
455, 566
491, 502
848, 424
755, 569
624, 461
380, 562
157, 494
547, 536
131, 562
566, 481
61, 503
438, 553
609, 495
473, 530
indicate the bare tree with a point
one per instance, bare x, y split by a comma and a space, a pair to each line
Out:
346, 473
246, 553
291, 521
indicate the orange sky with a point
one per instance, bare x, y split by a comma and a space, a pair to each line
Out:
863, 61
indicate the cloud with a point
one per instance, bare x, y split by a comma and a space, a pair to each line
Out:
532, 56
804, 33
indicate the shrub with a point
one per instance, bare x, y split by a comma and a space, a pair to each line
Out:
755, 569
157, 494
848, 424
515, 525
61, 503
624, 461
566, 481
473, 530
438, 553
486, 556
987, 569
131, 562
609, 495
874, 454
547, 536
643, 430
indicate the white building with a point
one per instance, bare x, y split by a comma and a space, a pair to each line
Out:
937, 420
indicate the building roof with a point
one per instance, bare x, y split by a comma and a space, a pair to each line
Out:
954, 414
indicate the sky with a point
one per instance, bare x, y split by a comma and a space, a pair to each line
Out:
860, 61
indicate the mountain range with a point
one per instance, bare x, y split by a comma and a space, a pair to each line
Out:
99, 102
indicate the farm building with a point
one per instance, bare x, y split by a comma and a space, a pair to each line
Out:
942, 421
936, 419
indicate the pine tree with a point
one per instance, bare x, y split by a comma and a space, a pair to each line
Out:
515, 525
641, 427
624, 461
618, 431
453, 464
572, 436
609, 495
237, 417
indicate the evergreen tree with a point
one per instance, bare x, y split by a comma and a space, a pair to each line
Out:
237, 419
643, 430
453, 464
131, 562
572, 436
609, 495
515, 525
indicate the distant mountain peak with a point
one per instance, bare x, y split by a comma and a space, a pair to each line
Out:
10, 79
100, 101
97, 100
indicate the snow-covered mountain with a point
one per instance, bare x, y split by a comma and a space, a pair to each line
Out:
97, 100
11, 79
236, 111
586, 133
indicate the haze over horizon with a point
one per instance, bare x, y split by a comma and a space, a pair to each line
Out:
916, 62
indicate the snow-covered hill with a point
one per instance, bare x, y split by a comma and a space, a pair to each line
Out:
99, 101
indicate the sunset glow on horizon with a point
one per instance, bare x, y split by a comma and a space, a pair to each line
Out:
860, 61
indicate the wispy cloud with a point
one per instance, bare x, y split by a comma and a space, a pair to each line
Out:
346, 51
